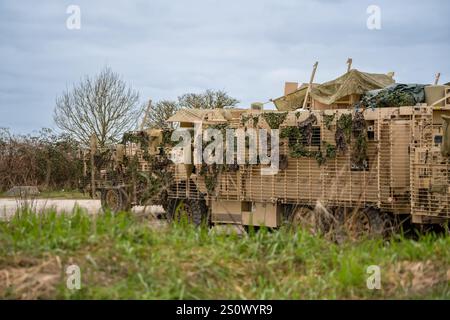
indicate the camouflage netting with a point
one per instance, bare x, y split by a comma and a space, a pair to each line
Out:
359, 157
300, 140
150, 186
352, 82
395, 95
351, 131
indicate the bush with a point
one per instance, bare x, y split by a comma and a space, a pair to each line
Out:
45, 159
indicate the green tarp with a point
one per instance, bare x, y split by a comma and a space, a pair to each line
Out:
352, 82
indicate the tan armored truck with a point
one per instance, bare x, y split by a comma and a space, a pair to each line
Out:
359, 152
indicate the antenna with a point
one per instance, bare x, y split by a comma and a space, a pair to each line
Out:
436, 79
147, 111
349, 64
310, 84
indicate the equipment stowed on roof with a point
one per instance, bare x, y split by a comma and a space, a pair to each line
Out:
330, 94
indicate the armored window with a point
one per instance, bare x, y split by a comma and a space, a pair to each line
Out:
312, 138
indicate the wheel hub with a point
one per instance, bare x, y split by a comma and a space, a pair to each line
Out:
304, 217
183, 210
358, 224
112, 199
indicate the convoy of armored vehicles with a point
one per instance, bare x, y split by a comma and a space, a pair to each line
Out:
359, 153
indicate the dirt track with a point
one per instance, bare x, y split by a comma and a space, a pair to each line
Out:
8, 206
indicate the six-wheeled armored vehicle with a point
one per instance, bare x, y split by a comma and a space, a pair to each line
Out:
360, 151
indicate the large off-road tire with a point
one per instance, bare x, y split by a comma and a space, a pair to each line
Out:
390, 224
114, 200
303, 217
313, 220
169, 208
190, 210
359, 223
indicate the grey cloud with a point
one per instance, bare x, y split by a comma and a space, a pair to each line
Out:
248, 48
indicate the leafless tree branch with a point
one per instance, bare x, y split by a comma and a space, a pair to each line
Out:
103, 105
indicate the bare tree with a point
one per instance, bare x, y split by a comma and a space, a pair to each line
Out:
209, 99
160, 112
104, 106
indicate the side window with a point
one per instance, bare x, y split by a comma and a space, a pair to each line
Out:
313, 139
316, 139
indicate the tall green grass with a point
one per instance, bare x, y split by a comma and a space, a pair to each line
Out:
122, 257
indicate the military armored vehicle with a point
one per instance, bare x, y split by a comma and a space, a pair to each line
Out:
359, 152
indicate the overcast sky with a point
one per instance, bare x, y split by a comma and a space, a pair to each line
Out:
248, 48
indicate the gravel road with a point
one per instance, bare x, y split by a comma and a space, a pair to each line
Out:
8, 207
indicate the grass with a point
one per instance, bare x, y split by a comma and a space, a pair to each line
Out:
57, 194
125, 257
63, 194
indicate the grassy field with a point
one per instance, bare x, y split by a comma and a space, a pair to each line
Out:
63, 195
56, 194
123, 256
